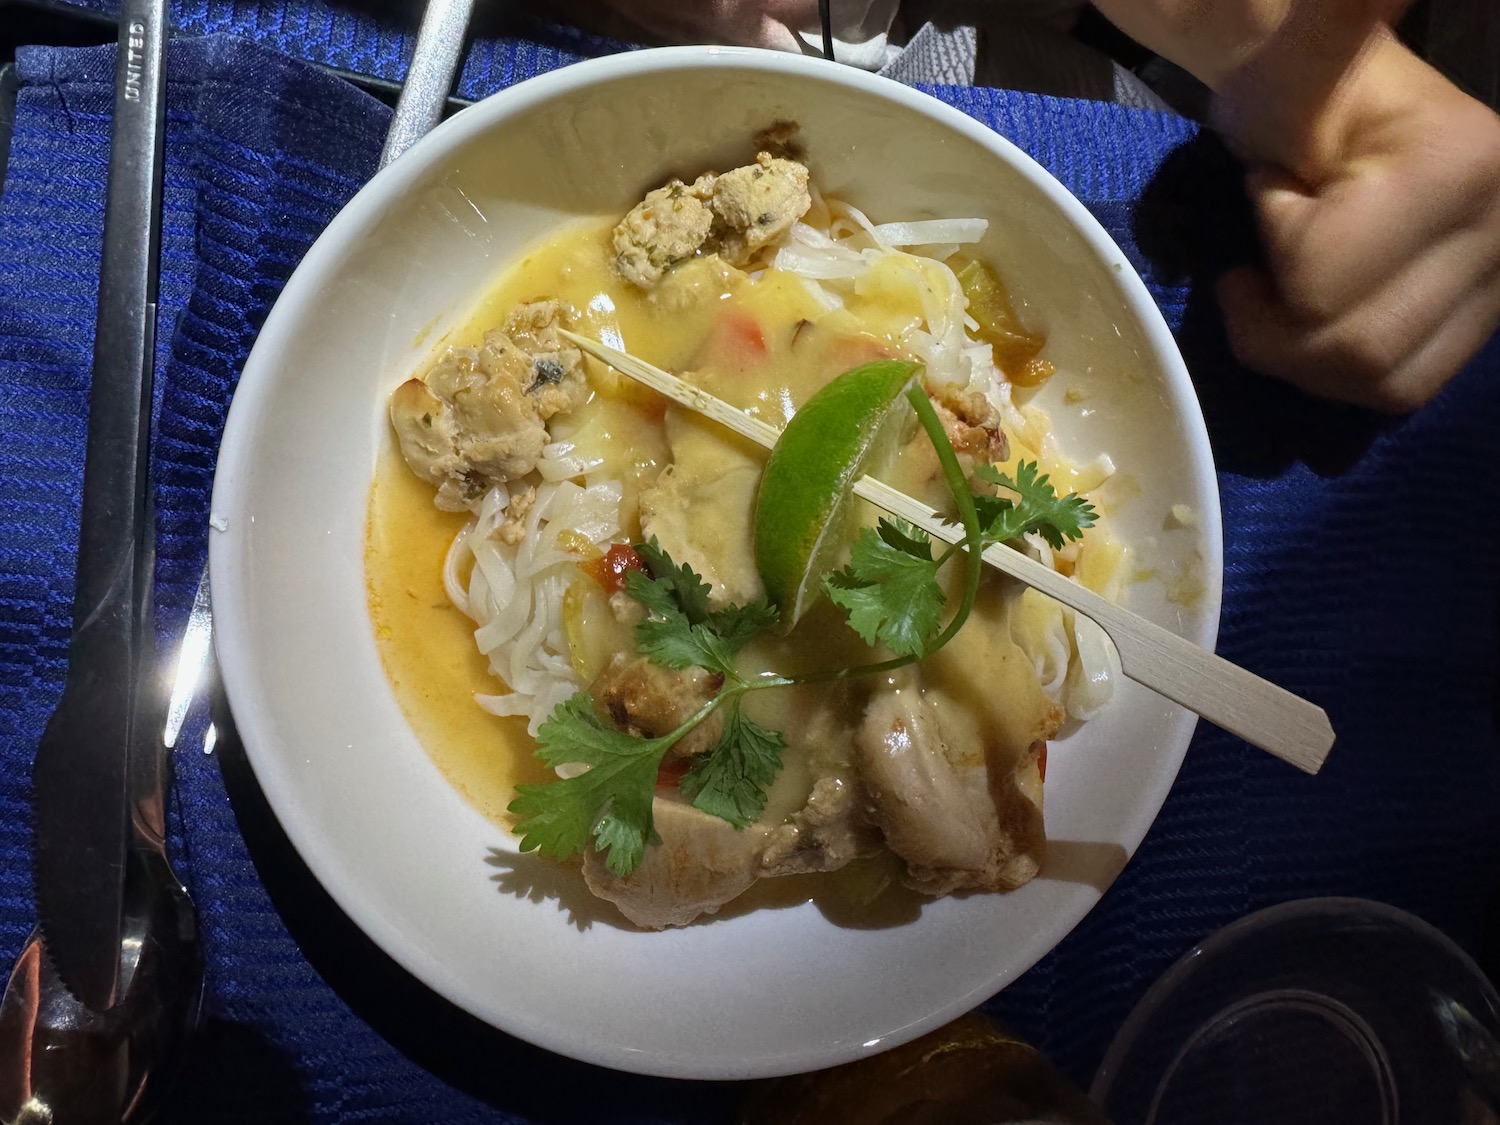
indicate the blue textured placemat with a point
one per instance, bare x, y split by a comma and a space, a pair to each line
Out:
506, 42
1358, 572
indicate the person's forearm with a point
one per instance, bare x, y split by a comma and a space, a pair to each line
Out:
1207, 38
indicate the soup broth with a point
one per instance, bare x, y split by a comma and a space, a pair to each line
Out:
764, 342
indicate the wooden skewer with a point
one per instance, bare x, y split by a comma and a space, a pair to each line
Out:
1264, 715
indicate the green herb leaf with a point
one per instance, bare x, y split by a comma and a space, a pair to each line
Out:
897, 533
737, 625
682, 631
889, 589
1037, 509
673, 643
730, 781
670, 588
610, 803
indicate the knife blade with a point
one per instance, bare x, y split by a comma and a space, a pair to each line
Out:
80, 813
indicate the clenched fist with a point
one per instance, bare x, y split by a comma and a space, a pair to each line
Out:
1376, 184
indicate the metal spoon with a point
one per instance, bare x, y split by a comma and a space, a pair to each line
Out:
63, 1063
429, 77
97, 1048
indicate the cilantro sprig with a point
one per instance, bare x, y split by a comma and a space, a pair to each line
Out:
890, 589
891, 595
610, 803
731, 780
1037, 508
682, 631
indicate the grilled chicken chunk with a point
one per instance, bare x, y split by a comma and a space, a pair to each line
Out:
757, 204
814, 821
734, 215
478, 418
669, 226
701, 863
825, 834
651, 701
700, 508
962, 813
971, 422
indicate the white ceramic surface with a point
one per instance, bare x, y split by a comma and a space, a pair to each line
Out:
756, 993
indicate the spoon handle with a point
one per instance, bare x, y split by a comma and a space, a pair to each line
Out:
429, 76
79, 779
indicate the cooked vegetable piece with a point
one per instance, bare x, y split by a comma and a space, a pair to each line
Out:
1016, 349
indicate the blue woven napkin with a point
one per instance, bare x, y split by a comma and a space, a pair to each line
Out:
1361, 571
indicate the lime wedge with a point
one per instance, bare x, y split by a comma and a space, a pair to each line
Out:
802, 508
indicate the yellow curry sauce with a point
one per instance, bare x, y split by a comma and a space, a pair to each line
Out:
750, 344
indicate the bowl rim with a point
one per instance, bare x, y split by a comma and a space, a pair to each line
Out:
228, 583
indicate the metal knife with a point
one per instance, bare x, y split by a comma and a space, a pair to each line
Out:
80, 800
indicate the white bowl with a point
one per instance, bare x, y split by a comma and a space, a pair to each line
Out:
759, 993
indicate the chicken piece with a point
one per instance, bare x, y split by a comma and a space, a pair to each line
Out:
971, 422
649, 700
700, 507
825, 834
478, 417
757, 204
670, 225
555, 378
817, 804
694, 283
962, 813
735, 214
701, 863
813, 821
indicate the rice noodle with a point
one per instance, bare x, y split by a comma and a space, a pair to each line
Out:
1039, 630
1093, 670
561, 461
834, 263
931, 232
515, 591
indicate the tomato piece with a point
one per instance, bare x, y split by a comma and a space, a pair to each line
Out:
610, 568
671, 772
746, 334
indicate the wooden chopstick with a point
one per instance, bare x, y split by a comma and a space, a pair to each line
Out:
1265, 715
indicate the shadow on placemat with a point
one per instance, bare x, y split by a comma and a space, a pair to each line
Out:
1194, 222
465, 1052
245, 1078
